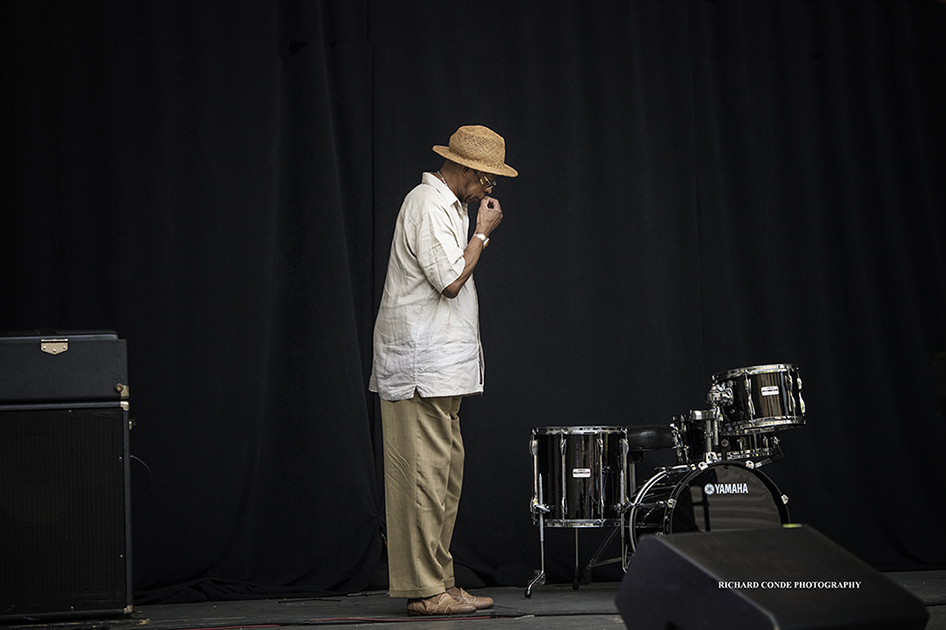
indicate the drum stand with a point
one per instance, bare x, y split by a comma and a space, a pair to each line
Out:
594, 562
541, 509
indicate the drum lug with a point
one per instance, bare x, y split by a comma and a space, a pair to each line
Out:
747, 383
784, 499
749, 464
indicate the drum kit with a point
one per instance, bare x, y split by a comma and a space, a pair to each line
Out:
584, 476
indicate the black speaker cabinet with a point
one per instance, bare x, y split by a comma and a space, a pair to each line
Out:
787, 578
65, 535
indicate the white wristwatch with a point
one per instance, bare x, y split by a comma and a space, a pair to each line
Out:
483, 238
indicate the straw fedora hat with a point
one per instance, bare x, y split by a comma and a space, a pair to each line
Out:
479, 148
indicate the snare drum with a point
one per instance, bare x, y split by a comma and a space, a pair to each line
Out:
758, 399
758, 448
580, 475
720, 496
695, 436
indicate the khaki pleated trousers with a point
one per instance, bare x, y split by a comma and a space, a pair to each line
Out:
423, 476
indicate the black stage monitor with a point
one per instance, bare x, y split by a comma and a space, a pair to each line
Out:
790, 578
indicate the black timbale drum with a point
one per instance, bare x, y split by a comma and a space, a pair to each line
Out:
758, 399
580, 475
724, 495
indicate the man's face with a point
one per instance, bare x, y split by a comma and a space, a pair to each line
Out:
476, 186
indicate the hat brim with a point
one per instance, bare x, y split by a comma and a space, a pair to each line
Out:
505, 170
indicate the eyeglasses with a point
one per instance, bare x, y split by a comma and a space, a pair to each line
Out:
485, 181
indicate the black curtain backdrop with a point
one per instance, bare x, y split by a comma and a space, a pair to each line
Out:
705, 185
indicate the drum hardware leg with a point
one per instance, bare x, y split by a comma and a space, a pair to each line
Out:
540, 508
575, 582
595, 562
625, 493
622, 507
539, 578
625, 557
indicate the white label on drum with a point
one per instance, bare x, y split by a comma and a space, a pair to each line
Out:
770, 390
581, 473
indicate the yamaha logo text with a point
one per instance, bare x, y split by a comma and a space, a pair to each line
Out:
726, 488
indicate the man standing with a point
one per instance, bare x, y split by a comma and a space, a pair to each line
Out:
427, 357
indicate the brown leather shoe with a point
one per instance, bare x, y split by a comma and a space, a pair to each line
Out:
463, 597
441, 604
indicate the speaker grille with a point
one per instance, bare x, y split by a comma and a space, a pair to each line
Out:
63, 512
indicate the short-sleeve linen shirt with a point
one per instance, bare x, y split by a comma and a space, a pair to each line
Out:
424, 341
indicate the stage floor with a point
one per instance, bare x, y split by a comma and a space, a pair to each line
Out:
551, 607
